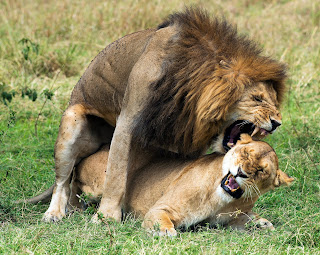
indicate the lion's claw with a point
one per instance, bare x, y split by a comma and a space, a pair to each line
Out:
165, 232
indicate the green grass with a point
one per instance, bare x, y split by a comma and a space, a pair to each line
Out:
69, 34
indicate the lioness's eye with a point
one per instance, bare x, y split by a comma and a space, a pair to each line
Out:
257, 98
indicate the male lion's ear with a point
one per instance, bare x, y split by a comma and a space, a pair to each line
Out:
282, 179
245, 139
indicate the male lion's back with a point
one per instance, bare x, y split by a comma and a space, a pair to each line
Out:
104, 82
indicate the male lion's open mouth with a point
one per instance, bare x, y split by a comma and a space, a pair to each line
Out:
230, 185
233, 132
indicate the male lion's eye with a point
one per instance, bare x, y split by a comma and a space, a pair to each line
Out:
260, 169
257, 98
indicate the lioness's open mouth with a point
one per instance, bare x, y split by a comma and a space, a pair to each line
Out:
230, 185
233, 132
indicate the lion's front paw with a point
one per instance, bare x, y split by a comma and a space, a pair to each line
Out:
99, 217
53, 216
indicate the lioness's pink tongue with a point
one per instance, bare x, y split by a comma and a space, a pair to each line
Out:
232, 183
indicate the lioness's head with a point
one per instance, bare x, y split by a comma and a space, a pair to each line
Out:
251, 168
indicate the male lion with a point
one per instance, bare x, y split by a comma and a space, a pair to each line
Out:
174, 192
188, 84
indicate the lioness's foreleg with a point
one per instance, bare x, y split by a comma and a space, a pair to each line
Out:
159, 223
240, 221
73, 202
76, 139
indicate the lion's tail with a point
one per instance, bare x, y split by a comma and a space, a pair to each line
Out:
43, 198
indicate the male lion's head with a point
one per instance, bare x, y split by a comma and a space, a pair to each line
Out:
215, 85
255, 113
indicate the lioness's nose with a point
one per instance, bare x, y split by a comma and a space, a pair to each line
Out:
275, 124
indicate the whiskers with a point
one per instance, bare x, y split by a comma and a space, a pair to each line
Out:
251, 190
243, 123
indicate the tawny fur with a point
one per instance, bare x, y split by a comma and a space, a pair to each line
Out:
177, 87
171, 192
209, 67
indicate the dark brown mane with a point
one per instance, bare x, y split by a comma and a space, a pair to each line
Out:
208, 67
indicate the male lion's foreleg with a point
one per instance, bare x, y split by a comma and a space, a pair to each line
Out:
122, 156
75, 141
117, 172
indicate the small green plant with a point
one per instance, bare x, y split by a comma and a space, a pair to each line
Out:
86, 199
11, 121
28, 48
48, 94
30, 93
6, 94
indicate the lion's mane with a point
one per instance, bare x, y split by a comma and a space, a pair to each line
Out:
207, 69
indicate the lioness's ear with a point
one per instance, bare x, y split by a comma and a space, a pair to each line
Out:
282, 179
244, 139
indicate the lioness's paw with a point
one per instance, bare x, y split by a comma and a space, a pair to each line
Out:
264, 224
170, 232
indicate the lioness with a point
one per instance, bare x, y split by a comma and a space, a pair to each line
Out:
171, 193
190, 83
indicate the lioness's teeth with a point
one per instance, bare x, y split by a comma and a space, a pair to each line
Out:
230, 145
256, 130
233, 190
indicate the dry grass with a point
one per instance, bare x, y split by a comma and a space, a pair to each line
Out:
69, 34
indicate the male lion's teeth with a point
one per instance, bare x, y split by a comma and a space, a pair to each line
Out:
230, 145
256, 130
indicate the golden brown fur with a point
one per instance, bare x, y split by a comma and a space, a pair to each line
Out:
171, 193
189, 83
208, 69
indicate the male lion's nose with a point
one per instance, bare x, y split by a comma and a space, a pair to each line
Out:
275, 124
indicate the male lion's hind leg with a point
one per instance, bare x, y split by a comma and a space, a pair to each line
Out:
159, 223
79, 136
